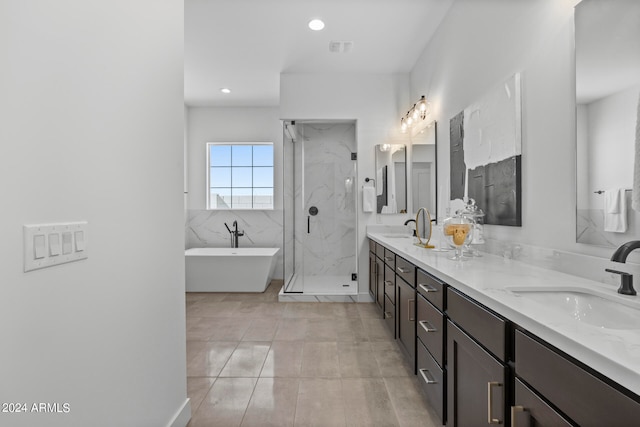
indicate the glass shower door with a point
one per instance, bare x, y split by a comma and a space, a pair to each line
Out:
324, 199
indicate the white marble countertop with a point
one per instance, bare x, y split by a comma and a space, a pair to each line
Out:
490, 279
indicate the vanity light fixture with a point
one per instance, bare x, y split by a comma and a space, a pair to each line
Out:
316, 24
416, 114
225, 90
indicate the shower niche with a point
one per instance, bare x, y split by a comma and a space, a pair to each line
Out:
319, 241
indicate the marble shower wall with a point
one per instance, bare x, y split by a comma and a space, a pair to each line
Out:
329, 248
262, 229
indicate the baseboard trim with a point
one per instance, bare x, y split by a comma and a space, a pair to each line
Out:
365, 297
182, 417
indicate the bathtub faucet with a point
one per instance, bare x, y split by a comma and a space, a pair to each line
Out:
234, 234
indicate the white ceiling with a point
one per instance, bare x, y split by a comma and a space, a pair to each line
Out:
246, 44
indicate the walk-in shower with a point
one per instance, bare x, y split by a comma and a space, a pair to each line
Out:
320, 261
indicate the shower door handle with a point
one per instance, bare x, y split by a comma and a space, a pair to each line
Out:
313, 211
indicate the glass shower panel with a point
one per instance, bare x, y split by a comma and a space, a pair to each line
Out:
324, 219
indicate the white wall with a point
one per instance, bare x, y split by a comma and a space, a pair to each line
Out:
479, 45
611, 130
92, 123
206, 228
375, 101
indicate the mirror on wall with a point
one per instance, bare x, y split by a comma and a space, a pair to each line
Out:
607, 41
424, 169
391, 178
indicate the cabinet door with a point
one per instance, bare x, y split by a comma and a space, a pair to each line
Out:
373, 272
476, 382
379, 297
406, 319
531, 410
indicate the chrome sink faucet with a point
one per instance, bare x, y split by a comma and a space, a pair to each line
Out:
620, 255
234, 234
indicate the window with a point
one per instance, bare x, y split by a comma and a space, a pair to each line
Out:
240, 175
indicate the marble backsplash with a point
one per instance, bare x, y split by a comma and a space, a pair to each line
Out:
585, 266
205, 228
581, 265
590, 228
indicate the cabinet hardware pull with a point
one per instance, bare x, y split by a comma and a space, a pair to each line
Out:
388, 258
490, 419
427, 288
388, 283
426, 378
387, 315
428, 327
514, 414
409, 318
403, 270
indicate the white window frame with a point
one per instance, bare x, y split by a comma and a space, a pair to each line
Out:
208, 182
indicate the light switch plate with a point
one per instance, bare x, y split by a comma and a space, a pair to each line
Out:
60, 239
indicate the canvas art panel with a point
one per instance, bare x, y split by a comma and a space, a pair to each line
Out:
486, 154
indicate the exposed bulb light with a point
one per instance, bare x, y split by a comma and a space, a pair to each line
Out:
225, 90
416, 114
316, 24
403, 125
422, 104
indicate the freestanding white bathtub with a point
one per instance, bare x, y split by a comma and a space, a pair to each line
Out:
229, 269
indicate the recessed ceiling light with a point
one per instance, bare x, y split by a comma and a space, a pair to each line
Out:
316, 24
225, 90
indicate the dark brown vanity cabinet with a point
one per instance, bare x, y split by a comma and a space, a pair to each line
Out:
430, 343
390, 311
406, 309
574, 394
373, 270
477, 373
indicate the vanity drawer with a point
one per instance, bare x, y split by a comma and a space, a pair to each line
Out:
372, 246
431, 379
389, 258
390, 315
380, 251
580, 395
390, 283
431, 329
485, 326
431, 288
406, 270
536, 412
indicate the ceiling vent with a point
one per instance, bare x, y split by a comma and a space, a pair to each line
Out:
340, 46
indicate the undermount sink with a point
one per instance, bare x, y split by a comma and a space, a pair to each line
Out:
396, 236
593, 307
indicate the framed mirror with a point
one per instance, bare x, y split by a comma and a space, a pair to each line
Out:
391, 178
607, 41
424, 170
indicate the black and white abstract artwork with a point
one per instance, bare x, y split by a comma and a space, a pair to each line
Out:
486, 154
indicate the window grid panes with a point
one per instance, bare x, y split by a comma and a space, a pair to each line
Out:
240, 176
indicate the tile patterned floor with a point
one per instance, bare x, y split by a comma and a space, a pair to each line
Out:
254, 361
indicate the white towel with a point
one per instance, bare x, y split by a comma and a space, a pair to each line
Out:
635, 195
612, 201
368, 199
615, 211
